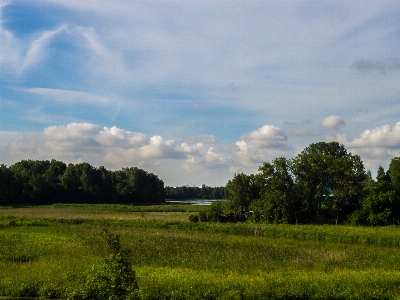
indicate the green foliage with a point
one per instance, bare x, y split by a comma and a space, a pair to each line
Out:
380, 206
188, 192
203, 217
215, 210
138, 186
47, 182
194, 218
278, 192
242, 190
322, 184
116, 280
394, 173
322, 165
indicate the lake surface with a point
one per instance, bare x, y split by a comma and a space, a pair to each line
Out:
194, 201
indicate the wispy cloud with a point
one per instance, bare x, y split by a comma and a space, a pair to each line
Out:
190, 86
381, 66
70, 97
37, 48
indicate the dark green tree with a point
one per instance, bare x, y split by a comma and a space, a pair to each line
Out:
7, 185
242, 190
135, 185
394, 173
380, 205
328, 179
278, 192
38, 181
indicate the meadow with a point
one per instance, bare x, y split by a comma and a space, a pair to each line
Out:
48, 252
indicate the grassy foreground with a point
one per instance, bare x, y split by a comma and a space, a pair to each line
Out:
48, 251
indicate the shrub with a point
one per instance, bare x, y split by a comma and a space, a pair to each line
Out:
215, 210
194, 218
116, 279
203, 216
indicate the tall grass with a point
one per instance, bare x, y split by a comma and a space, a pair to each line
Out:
50, 256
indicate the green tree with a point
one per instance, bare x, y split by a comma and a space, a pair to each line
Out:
278, 191
328, 179
38, 181
382, 175
135, 185
7, 185
380, 205
394, 173
242, 190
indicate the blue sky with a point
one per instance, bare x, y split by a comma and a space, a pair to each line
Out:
195, 91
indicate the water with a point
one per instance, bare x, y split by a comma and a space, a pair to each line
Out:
194, 201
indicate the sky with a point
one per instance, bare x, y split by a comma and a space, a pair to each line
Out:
196, 91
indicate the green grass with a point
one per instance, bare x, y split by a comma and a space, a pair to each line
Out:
49, 256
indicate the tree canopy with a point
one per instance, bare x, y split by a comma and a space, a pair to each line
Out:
46, 182
323, 183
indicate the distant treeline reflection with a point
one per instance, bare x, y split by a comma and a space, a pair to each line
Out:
187, 192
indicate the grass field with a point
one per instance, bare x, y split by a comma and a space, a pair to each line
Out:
48, 251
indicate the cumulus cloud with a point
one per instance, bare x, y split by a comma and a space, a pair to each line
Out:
114, 146
376, 146
332, 122
72, 131
262, 144
123, 138
383, 136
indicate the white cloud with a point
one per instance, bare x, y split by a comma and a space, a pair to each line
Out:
376, 146
115, 146
383, 137
19, 55
70, 97
122, 138
332, 122
263, 144
36, 50
72, 131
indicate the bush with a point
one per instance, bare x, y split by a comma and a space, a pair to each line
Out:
215, 210
203, 216
116, 280
194, 218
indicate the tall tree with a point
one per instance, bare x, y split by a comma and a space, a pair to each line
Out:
328, 176
242, 190
394, 173
380, 204
7, 185
278, 191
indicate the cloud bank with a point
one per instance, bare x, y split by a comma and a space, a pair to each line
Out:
115, 147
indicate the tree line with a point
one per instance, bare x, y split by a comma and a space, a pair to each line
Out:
322, 184
189, 192
47, 182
